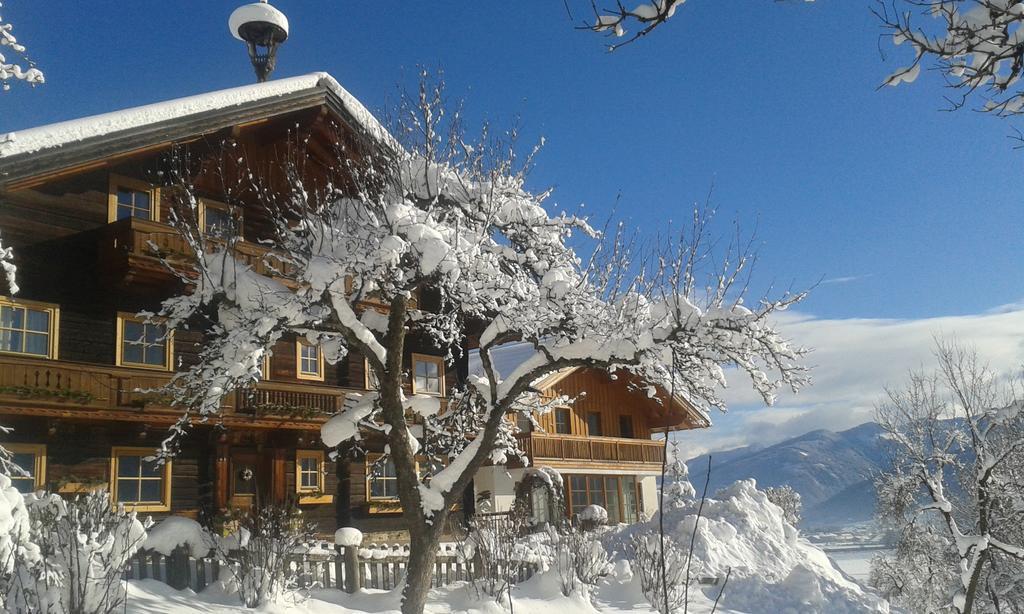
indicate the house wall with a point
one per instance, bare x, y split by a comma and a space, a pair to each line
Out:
495, 488
596, 391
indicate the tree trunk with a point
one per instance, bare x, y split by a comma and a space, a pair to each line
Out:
423, 546
971, 594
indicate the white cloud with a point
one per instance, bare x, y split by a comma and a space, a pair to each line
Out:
853, 360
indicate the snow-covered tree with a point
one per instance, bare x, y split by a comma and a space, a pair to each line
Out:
955, 494
441, 221
14, 63
977, 46
788, 500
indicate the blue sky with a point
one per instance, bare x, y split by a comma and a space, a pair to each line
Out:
917, 211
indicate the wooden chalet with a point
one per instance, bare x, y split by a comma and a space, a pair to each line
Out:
600, 444
84, 207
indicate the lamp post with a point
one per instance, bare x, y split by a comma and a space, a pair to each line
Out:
262, 27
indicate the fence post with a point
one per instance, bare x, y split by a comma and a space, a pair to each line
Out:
177, 569
353, 577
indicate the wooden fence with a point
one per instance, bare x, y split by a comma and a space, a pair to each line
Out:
349, 569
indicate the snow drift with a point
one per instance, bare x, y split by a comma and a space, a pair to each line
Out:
773, 569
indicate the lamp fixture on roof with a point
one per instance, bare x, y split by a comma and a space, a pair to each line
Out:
263, 28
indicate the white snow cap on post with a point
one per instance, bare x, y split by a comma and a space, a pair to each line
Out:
257, 11
348, 537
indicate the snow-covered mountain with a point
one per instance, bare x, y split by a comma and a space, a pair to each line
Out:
831, 471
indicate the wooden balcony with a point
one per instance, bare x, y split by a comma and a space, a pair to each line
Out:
58, 388
138, 248
608, 452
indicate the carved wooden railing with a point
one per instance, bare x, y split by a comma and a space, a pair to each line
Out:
284, 398
45, 383
614, 449
151, 239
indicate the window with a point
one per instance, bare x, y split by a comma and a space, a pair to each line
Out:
626, 427
594, 424
31, 458
309, 361
130, 198
220, 221
381, 479
562, 421
371, 383
28, 328
618, 495
524, 423
310, 473
428, 374
143, 344
138, 483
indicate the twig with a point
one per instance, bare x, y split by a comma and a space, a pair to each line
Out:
728, 573
693, 539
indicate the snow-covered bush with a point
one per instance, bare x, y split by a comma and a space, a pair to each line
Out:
492, 546
656, 572
258, 553
788, 500
580, 558
75, 555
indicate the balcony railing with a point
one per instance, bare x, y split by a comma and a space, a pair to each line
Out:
134, 237
576, 448
49, 384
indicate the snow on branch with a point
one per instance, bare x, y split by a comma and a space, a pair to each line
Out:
977, 46
18, 67
617, 19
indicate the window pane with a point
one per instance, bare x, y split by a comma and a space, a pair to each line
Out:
11, 341
151, 469
25, 460
37, 343
124, 212
151, 491
132, 353
124, 197
594, 424
38, 321
134, 332
562, 421
127, 490
626, 426
24, 485
154, 333
377, 488
128, 466
12, 317
611, 489
596, 492
141, 200
156, 355
629, 500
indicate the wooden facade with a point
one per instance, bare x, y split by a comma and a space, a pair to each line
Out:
92, 242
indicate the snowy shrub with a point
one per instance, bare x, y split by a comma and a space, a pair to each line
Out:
647, 564
788, 501
75, 555
258, 553
580, 559
493, 545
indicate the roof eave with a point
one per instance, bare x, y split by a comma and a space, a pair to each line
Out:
19, 167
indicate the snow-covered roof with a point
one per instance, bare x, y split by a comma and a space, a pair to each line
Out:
155, 119
505, 358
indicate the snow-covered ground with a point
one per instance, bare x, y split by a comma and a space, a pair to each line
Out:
771, 569
540, 595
